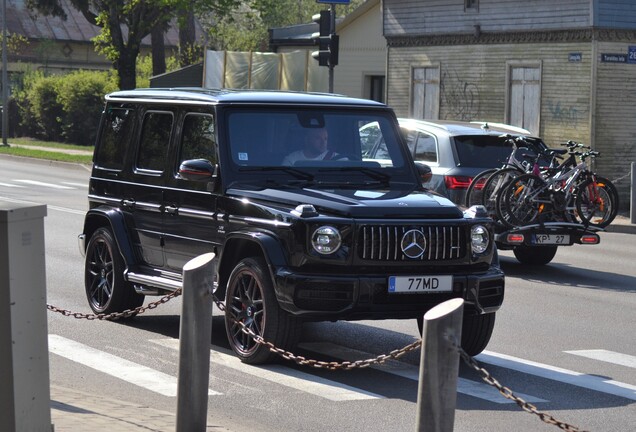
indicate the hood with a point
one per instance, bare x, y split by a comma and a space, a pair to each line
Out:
363, 203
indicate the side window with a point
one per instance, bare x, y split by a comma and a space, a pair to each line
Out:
372, 142
155, 138
115, 137
425, 149
197, 138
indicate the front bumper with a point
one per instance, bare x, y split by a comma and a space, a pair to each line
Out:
320, 297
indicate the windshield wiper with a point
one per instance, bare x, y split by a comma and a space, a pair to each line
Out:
299, 174
375, 175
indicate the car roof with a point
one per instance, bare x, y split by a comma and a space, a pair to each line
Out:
196, 95
457, 128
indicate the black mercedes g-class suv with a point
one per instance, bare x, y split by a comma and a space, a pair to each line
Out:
282, 188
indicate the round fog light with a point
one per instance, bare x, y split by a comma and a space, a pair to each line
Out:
479, 238
326, 240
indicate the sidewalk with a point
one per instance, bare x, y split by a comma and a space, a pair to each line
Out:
73, 411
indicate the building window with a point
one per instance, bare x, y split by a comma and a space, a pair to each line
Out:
425, 92
376, 87
471, 5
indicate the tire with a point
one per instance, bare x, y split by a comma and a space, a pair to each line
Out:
250, 299
535, 255
596, 202
517, 203
493, 187
476, 331
474, 193
106, 290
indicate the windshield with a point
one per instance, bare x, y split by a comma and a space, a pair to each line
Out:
325, 143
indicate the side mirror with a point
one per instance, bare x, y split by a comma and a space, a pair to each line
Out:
424, 172
197, 170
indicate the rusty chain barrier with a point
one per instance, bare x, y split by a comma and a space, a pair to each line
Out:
332, 365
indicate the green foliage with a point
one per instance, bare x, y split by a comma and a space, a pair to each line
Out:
16, 43
63, 107
81, 96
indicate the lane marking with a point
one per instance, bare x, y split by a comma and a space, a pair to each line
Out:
554, 373
62, 209
79, 185
11, 185
465, 386
284, 375
607, 356
39, 183
118, 367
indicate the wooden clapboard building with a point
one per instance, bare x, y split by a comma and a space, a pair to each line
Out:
565, 70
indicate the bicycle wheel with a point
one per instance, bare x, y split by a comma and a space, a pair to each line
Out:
493, 187
596, 202
475, 188
519, 202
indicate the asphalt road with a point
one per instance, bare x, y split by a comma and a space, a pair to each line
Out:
565, 340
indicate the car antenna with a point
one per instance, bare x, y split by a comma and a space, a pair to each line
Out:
485, 126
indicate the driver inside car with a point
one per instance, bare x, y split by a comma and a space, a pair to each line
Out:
315, 148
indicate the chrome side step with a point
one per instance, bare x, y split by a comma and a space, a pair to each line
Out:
152, 282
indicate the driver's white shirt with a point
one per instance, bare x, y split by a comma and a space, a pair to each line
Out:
299, 155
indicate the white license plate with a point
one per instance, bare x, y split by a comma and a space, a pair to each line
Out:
552, 239
417, 284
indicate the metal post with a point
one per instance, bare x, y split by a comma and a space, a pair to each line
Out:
333, 31
632, 210
5, 80
194, 344
25, 396
439, 366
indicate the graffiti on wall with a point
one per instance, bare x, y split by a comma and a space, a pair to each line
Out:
567, 115
460, 98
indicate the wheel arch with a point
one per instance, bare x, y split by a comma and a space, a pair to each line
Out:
114, 219
241, 245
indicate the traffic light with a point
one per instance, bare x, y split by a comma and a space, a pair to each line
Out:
323, 37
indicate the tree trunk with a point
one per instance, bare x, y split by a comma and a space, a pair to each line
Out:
187, 38
158, 50
127, 69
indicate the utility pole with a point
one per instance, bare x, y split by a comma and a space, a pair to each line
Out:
5, 80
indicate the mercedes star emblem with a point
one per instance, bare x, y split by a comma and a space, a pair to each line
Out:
413, 243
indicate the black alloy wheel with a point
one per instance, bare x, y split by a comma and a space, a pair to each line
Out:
106, 290
250, 301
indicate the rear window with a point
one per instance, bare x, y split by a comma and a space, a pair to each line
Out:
487, 151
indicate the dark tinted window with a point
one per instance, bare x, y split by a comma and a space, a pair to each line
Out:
197, 138
116, 133
493, 151
155, 137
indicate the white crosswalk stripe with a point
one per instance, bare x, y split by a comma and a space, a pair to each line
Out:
281, 374
554, 373
465, 386
607, 356
118, 367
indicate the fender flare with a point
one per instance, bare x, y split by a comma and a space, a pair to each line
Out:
114, 219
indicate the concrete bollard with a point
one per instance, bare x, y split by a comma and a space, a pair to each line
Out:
439, 366
194, 344
25, 396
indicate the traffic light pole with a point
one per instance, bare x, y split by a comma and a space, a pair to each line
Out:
332, 32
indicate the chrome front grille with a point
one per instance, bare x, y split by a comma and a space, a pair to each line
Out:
383, 242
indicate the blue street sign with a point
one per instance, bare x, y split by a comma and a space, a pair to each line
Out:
631, 54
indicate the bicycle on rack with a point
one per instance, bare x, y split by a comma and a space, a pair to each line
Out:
568, 193
524, 157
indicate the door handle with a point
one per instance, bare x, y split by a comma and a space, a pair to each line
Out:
172, 209
128, 203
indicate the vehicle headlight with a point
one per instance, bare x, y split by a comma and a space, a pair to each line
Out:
479, 238
326, 240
